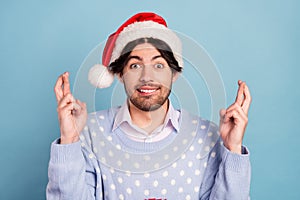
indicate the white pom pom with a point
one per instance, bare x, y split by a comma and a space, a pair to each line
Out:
100, 77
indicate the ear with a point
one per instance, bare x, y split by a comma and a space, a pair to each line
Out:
175, 76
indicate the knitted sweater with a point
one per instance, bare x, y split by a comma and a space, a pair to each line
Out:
186, 165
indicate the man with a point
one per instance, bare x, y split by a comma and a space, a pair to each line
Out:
146, 149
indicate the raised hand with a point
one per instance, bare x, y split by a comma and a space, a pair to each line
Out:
72, 113
234, 119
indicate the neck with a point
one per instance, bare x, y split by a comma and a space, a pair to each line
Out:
148, 120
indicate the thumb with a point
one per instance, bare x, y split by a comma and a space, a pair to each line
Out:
222, 115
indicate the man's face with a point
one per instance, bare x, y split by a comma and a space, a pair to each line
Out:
147, 78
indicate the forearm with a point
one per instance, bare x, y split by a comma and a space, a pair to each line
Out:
232, 179
67, 174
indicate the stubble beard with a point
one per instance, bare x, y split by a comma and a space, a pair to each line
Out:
150, 103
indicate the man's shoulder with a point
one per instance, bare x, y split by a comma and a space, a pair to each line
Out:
204, 128
203, 133
106, 115
188, 117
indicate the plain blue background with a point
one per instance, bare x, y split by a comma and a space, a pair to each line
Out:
257, 41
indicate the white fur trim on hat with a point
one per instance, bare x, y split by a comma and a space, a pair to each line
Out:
100, 77
144, 29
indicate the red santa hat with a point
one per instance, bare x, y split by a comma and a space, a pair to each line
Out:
141, 25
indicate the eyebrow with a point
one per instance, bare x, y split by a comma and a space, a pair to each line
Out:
134, 57
155, 57
140, 59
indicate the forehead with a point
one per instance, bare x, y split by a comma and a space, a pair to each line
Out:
144, 49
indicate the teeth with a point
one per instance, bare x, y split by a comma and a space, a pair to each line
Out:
147, 91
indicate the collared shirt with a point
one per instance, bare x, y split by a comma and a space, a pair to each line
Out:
123, 121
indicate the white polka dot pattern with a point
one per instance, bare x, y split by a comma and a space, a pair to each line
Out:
174, 173
180, 190
146, 192
165, 174
121, 197
120, 180
112, 186
128, 190
137, 183
155, 183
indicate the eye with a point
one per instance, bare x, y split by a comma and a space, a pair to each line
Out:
135, 66
159, 66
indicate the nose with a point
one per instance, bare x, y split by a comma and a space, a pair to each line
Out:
147, 74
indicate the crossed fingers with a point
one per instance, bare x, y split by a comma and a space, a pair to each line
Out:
243, 98
238, 111
62, 87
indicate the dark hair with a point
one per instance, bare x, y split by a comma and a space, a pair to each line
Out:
163, 48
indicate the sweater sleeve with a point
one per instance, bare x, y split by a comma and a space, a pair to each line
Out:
71, 173
227, 176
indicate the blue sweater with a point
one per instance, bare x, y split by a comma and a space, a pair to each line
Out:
189, 164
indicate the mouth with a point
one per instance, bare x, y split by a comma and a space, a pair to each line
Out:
147, 90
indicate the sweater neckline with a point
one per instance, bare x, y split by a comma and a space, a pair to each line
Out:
133, 146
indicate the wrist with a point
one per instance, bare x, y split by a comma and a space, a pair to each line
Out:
235, 149
68, 140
